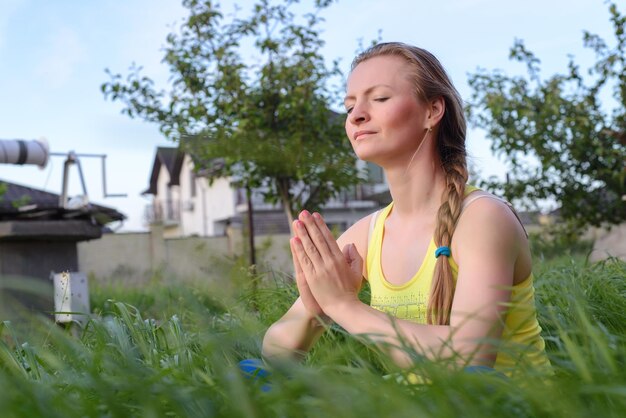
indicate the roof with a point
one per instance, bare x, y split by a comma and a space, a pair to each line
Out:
170, 157
26, 203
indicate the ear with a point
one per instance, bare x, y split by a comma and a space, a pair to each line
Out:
436, 110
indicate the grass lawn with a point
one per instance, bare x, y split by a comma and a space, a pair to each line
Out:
171, 349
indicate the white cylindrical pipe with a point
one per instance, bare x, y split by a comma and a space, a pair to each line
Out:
19, 151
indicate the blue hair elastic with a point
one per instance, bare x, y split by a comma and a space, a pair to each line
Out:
443, 250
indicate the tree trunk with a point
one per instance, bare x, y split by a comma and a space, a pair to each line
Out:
252, 254
285, 199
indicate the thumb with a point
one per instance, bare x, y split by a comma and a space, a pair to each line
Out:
352, 256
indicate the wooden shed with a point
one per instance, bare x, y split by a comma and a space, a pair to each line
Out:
38, 237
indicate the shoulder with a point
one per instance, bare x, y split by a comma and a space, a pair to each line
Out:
488, 225
357, 234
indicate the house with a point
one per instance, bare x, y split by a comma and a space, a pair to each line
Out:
186, 204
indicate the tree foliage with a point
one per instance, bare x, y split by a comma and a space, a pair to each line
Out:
264, 121
578, 141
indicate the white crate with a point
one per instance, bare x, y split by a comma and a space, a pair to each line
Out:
71, 297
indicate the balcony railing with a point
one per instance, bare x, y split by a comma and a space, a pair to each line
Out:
166, 212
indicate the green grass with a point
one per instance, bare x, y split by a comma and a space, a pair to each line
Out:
171, 349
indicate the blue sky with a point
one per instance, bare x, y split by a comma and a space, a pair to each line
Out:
53, 55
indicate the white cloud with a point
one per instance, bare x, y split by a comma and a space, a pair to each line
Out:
62, 52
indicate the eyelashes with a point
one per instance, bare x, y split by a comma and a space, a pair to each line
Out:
378, 99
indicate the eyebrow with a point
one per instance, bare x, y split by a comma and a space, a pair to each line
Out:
367, 91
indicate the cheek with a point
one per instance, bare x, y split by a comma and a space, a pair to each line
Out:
404, 117
349, 129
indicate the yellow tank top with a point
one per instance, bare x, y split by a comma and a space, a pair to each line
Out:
521, 343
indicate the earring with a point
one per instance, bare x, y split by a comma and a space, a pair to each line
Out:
430, 129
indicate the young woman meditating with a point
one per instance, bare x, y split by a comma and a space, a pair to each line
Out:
448, 265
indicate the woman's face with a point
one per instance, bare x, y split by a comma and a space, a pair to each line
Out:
385, 121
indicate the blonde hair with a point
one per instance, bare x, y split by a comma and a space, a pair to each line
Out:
431, 81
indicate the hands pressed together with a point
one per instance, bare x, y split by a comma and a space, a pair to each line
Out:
326, 276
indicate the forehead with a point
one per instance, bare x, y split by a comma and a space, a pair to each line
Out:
382, 70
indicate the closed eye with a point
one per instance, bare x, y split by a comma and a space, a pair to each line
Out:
348, 110
381, 99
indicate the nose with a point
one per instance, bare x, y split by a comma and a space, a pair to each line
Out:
359, 114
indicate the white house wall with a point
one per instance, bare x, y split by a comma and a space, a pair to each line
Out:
219, 199
205, 213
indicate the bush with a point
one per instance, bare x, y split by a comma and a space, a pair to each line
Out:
555, 243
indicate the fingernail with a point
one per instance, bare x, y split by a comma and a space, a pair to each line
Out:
299, 224
305, 213
317, 215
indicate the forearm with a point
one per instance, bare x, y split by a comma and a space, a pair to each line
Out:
292, 337
400, 337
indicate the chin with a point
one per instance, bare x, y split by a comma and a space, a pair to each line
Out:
370, 158
362, 152
366, 153
365, 156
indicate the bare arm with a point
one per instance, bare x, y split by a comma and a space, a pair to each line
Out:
486, 245
293, 335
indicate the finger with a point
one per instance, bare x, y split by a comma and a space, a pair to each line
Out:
296, 263
301, 280
347, 253
306, 245
302, 285
306, 296
331, 242
303, 258
315, 233
351, 253
353, 258
300, 277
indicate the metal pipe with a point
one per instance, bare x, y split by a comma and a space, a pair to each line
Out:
103, 157
20, 151
104, 170
82, 178
66, 179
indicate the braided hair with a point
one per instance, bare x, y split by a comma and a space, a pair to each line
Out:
431, 81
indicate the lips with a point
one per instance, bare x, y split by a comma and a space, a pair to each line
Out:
361, 134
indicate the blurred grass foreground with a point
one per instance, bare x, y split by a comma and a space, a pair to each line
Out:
171, 349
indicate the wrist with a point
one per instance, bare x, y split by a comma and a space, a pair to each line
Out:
320, 320
339, 309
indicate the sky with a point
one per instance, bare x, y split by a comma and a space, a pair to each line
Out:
53, 56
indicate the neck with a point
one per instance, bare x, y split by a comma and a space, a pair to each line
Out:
417, 187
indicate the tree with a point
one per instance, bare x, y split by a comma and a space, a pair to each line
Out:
561, 121
266, 122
